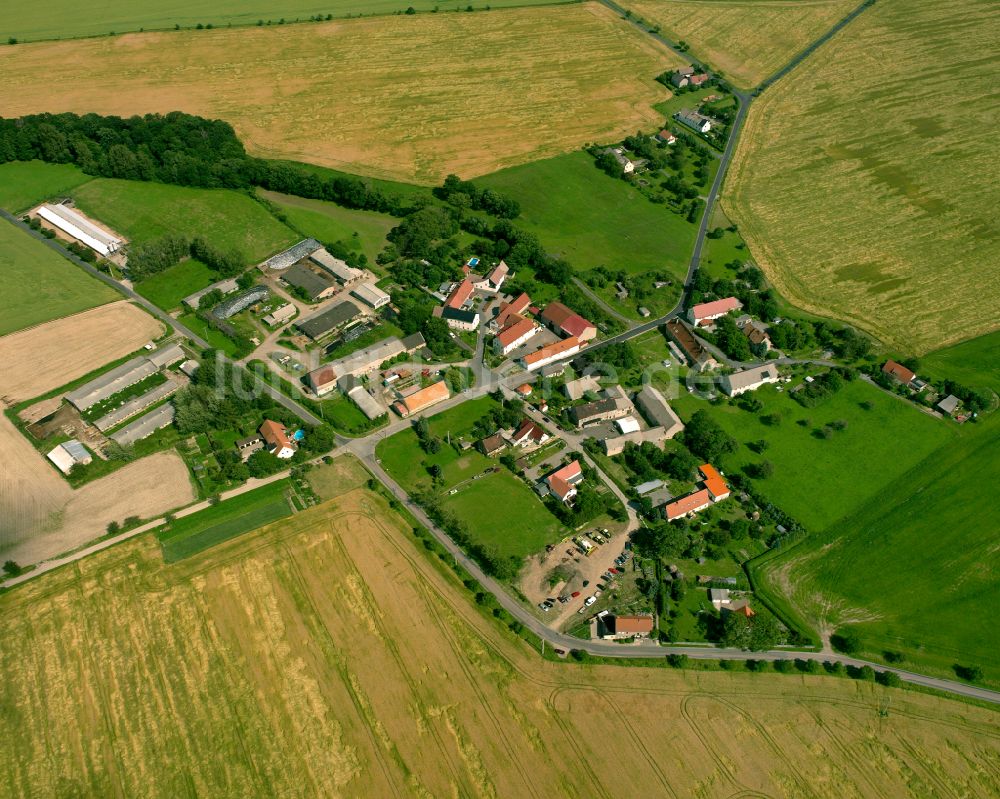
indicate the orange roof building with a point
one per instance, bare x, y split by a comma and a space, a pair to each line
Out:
685, 506
509, 310
516, 333
713, 482
567, 322
563, 482
707, 311
459, 295
422, 399
899, 372
632, 625
276, 438
545, 355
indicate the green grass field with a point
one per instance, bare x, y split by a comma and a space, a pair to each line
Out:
910, 568
816, 480
592, 219
40, 284
329, 222
499, 509
64, 19
167, 288
144, 211
27, 183
215, 338
199, 531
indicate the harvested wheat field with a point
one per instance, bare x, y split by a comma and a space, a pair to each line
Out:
326, 656
747, 40
410, 97
53, 354
873, 199
40, 515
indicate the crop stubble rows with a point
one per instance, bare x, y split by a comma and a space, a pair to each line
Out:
408, 97
864, 181
325, 656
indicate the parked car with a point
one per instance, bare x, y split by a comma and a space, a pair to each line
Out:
590, 600
575, 594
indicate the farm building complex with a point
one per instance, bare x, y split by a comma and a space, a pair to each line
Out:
75, 224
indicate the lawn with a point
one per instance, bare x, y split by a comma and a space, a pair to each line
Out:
901, 241
145, 211
591, 219
542, 81
746, 41
215, 338
819, 481
39, 284
199, 531
498, 508
910, 567
24, 184
66, 19
364, 231
502, 511
382, 331
167, 288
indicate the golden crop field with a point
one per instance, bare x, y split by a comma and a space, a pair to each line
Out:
747, 40
865, 181
325, 655
410, 97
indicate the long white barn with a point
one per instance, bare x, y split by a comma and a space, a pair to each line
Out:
77, 226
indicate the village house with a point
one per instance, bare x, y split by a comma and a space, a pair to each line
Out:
421, 399
529, 434
654, 406
687, 505
575, 389
562, 482
713, 481
899, 373
566, 322
709, 311
553, 352
948, 405
694, 352
748, 380
458, 318
606, 409
323, 380
492, 445
619, 627
666, 137
757, 337
514, 335
694, 120
510, 311
276, 439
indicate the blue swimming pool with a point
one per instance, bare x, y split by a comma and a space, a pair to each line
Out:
298, 435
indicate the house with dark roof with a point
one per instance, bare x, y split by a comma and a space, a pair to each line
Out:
329, 320
315, 285
693, 350
492, 445
694, 120
457, 318
948, 405
602, 410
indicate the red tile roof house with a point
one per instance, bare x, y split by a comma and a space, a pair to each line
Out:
510, 310
713, 481
707, 311
276, 438
529, 434
567, 322
898, 372
687, 505
563, 482
495, 279
514, 335
459, 295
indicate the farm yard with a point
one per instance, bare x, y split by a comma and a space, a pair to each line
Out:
40, 515
332, 627
144, 211
544, 81
909, 566
900, 242
39, 284
746, 41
